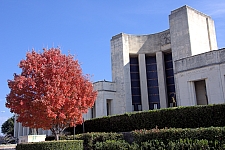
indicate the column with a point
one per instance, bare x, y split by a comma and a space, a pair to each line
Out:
40, 131
49, 132
15, 127
24, 131
28, 129
161, 79
20, 130
143, 82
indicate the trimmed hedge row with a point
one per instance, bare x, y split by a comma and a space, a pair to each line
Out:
181, 144
52, 145
179, 117
210, 134
90, 139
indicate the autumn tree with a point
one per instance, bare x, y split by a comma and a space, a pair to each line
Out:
51, 92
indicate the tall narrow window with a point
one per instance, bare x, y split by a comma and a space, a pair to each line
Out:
93, 112
152, 82
108, 107
171, 93
135, 83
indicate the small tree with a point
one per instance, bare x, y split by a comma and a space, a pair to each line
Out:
8, 126
51, 92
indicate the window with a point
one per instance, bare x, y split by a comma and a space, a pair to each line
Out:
93, 112
108, 107
201, 92
139, 107
155, 106
136, 107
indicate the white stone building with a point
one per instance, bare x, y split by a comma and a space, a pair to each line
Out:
180, 66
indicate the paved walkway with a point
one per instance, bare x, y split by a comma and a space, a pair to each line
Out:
8, 147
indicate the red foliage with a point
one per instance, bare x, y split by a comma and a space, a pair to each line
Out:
51, 92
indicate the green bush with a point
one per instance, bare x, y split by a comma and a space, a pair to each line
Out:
166, 135
112, 145
181, 144
90, 139
52, 145
179, 117
154, 144
172, 138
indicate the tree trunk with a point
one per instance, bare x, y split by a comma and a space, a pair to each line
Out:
56, 137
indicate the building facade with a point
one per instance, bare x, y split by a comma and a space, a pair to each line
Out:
180, 66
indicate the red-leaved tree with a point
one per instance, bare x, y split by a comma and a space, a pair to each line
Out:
51, 92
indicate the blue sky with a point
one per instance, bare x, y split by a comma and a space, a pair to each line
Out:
84, 29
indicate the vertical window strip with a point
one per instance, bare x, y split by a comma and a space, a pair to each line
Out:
135, 84
152, 82
171, 93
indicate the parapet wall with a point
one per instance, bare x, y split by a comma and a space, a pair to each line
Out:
146, 44
201, 60
104, 86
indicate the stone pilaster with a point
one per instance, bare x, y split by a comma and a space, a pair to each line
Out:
143, 82
161, 79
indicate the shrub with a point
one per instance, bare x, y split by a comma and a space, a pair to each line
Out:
90, 139
211, 134
181, 144
112, 145
179, 117
52, 145
154, 144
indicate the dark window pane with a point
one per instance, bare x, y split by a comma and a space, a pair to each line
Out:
171, 88
153, 82
154, 98
150, 59
134, 75
169, 65
135, 83
133, 60
154, 90
135, 91
136, 99
170, 80
134, 68
152, 75
151, 67
168, 56
169, 72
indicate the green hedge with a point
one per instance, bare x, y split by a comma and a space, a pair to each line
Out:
180, 144
112, 145
211, 134
52, 145
179, 117
90, 139
212, 137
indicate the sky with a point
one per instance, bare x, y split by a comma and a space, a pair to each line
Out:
84, 29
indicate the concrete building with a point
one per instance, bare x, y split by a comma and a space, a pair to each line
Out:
180, 66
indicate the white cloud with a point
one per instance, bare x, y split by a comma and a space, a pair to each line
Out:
215, 9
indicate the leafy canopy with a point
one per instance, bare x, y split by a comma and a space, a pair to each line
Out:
8, 126
51, 92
